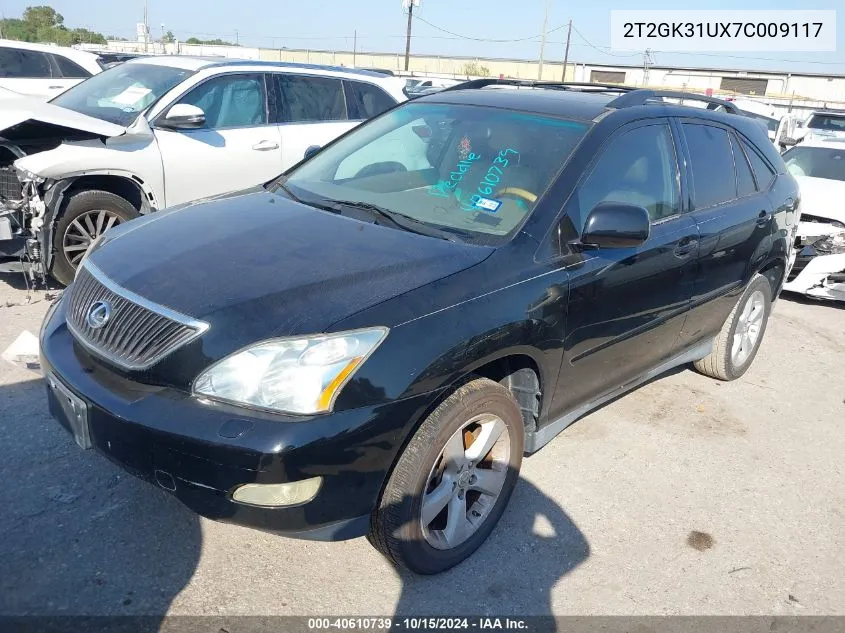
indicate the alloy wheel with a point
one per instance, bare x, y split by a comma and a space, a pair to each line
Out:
465, 481
83, 230
748, 328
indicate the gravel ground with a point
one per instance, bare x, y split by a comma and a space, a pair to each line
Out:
687, 496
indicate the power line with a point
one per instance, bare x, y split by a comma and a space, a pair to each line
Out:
484, 39
600, 48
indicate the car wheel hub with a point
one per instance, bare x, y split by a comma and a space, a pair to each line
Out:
465, 482
83, 230
748, 328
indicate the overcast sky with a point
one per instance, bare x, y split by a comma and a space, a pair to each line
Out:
330, 24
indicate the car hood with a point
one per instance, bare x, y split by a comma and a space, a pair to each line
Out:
17, 112
257, 265
822, 197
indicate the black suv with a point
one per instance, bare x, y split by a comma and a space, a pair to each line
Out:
371, 342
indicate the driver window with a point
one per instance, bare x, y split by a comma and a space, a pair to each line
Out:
638, 167
403, 149
230, 101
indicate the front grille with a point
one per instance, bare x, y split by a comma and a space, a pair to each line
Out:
10, 186
137, 333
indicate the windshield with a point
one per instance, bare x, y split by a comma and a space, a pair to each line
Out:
816, 162
476, 171
830, 122
120, 94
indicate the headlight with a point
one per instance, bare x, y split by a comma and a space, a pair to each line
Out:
831, 245
300, 375
24, 175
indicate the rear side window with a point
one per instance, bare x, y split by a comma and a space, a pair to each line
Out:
365, 101
744, 178
304, 99
70, 69
21, 64
762, 171
638, 167
713, 174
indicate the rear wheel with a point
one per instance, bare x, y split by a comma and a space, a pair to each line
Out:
739, 340
453, 480
87, 215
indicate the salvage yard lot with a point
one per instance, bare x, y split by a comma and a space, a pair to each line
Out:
688, 496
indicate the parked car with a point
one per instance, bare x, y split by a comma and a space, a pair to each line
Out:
819, 268
107, 59
156, 132
41, 70
423, 86
369, 343
824, 124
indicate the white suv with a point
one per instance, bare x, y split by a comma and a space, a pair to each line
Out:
161, 131
41, 70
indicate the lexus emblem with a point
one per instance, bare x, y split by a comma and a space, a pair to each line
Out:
98, 314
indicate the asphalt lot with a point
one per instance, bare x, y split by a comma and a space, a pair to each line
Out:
687, 496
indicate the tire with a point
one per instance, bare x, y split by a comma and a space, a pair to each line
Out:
473, 411
84, 207
723, 363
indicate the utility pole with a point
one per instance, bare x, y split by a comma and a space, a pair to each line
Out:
566, 54
543, 43
237, 39
354, 49
648, 60
411, 4
146, 27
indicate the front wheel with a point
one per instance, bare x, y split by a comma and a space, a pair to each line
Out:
87, 215
453, 480
739, 340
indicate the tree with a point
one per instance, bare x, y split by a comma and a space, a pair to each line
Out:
214, 42
168, 38
44, 24
43, 16
475, 69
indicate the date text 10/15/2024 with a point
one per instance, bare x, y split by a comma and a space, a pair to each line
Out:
417, 624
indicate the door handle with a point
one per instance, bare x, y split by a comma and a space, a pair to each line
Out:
54, 87
763, 218
264, 146
685, 248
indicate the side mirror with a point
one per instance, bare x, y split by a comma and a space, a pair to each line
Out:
616, 225
183, 116
312, 150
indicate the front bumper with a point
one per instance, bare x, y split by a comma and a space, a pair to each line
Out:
202, 452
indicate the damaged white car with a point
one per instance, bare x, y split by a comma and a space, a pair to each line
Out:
156, 132
819, 267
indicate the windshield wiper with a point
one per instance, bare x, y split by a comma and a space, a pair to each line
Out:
286, 189
398, 220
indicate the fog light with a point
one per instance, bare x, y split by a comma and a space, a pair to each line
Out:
278, 495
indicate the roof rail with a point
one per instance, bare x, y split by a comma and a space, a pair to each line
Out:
475, 84
643, 96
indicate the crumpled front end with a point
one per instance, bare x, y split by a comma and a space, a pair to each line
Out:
22, 215
819, 267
